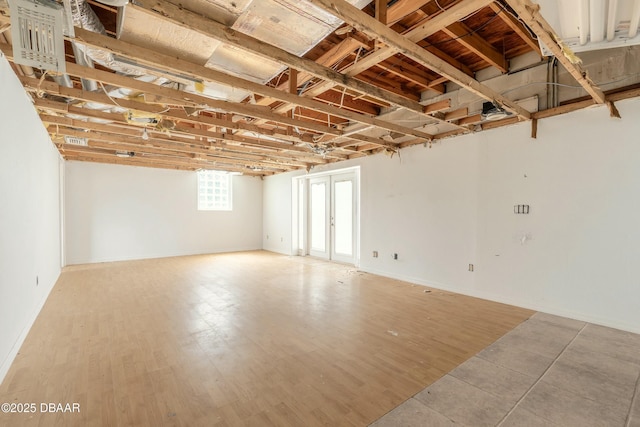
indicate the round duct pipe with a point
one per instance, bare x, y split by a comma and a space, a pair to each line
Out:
114, 3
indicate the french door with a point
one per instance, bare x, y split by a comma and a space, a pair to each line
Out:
332, 217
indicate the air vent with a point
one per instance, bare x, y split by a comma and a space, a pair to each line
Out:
37, 34
75, 140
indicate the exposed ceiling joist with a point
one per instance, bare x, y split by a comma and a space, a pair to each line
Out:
73, 152
424, 29
455, 13
476, 44
208, 27
329, 105
179, 66
128, 135
36, 85
402, 8
373, 28
103, 140
518, 27
328, 59
530, 14
282, 153
195, 99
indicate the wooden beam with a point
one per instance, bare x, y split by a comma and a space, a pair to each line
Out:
499, 123
293, 80
179, 66
476, 44
88, 157
176, 14
406, 71
456, 114
48, 105
106, 141
197, 100
435, 107
381, 11
72, 152
5, 20
159, 163
517, 27
124, 135
574, 105
5, 23
332, 56
447, 58
336, 97
420, 31
471, 120
530, 14
328, 59
374, 29
127, 82
534, 128
433, 24
403, 8
53, 88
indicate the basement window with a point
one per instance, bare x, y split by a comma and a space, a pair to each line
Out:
214, 190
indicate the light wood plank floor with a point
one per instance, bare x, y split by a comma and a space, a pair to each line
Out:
248, 338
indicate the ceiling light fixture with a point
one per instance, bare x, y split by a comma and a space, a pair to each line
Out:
321, 149
493, 111
145, 134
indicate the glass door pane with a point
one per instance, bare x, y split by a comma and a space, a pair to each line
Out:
343, 217
319, 217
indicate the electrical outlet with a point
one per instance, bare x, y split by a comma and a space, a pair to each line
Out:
395, 256
375, 254
470, 267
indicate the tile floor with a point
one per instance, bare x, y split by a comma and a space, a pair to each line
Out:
548, 371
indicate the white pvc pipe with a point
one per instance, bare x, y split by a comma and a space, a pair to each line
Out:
584, 22
597, 11
612, 20
635, 19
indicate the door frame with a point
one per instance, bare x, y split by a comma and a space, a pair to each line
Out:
300, 210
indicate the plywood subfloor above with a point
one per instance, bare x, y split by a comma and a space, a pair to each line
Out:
241, 339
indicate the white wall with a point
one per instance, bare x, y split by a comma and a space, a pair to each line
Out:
583, 185
420, 205
29, 215
443, 208
277, 211
118, 212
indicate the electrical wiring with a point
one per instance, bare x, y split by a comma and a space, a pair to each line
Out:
531, 33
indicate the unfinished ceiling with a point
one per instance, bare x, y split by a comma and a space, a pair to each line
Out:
267, 86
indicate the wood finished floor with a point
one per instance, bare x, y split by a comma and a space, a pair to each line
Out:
248, 338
